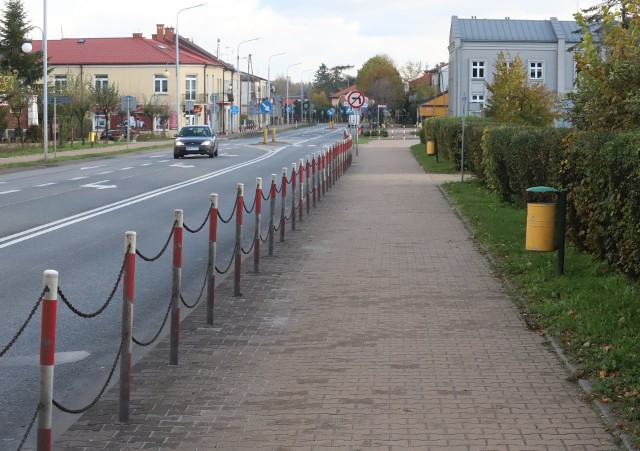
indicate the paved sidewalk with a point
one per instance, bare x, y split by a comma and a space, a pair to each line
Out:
378, 325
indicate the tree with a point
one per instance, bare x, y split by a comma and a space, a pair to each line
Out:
379, 80
153, 108
332, 80
411, 70
14, 29
18, 98
81, 92
107, 101
607, 89
513, 99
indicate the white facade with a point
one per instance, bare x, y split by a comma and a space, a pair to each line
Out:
474, 44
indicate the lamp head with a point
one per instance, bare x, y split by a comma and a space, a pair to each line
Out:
27, 47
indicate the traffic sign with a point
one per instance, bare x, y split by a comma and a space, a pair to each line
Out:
214, 97
234, 109
128, 103
355, 99
59, 99
265, 106
331, 112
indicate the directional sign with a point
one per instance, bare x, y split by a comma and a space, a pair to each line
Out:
331, 112
59, 99
355, 99
348, 110
265, 106
214, 97
288, 109
98, 185
234, 109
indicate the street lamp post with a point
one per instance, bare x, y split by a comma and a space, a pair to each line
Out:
178, 62
239, 90
302, 95
269, 80
286, 105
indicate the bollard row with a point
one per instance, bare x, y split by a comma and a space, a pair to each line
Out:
311, 178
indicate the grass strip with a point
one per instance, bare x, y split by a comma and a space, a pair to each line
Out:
429, 163
592, 311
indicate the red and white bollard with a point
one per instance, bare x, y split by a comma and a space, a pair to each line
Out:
211, 262
313, 179
256, 246
293, 196
128, 291
47, 358
238, 256
302, 185
176, 287
283, 193
307, 173
272, 211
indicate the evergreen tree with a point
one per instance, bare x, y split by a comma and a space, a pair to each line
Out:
14, 29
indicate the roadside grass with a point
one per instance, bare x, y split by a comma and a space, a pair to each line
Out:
428, 162
592, 311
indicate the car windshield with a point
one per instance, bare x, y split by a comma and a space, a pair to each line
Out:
195, 131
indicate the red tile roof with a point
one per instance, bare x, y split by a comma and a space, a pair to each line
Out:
116, 51
344, 91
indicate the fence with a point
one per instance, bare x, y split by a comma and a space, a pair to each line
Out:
310, 179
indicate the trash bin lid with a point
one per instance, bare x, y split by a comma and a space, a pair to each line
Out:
542, 189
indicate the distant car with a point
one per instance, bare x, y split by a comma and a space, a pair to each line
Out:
195, 139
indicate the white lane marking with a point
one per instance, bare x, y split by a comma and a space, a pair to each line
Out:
2, 183
146, 164
105, 172
226, 155
156, 156
92, 167
65, 222
10, 191
163, 161
181, 165
125, 169
98, 185
79, 178
46, 184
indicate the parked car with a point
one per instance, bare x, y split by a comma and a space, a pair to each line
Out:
195, 139
118, 134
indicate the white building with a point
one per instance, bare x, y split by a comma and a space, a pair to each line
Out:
474, 44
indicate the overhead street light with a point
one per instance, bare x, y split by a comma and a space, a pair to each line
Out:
286, 105
239, 90
178, 109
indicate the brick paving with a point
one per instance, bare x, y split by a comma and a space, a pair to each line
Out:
378, 325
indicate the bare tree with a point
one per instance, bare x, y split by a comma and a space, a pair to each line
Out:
411, 70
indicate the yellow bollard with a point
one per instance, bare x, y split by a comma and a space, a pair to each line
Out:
266, 132
273, 135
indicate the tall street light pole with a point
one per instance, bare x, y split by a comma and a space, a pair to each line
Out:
302, 95
178, 63
286, 105
269, 80
27, 48
239, 90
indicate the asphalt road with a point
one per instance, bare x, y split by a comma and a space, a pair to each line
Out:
72, 218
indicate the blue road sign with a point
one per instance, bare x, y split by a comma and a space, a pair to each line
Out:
330, 112
288, 109
234, 109
265, 106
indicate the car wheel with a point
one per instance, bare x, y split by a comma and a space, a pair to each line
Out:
176, 155
216, 152
211, 154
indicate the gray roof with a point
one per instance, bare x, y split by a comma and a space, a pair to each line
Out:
505, 30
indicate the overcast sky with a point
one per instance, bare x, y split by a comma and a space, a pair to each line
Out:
310, 32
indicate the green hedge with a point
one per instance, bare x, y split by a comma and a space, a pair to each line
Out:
601, 172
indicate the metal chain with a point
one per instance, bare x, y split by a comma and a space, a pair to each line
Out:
204, 284
31, 423
278, 191
206, 219
288, 218
252, 207
102, 390
253, 243
268, 195
264, 240
276, 228
164, 248
164, 321
24, 325
233, 255
235, 204
107, 302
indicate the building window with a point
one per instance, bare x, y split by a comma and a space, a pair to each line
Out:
60, 83
477, 69
477, 103
160, 85
101, 82
190, 88
535, 70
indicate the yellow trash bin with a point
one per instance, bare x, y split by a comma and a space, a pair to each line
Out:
541, 227
92, 137
431, 147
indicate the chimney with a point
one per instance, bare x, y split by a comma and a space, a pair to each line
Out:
137, 35
169, 33
159, 35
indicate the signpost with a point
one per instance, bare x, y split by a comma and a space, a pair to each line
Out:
125, 105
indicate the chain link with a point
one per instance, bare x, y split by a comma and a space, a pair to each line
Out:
102, 390
204, 284
253, 243
233, 255
206, 219
235, 204
147, 343
252, 207
268, 195
164, 248
24, 325
31, 423
278, 191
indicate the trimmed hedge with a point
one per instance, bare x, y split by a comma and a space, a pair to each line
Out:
600, 170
